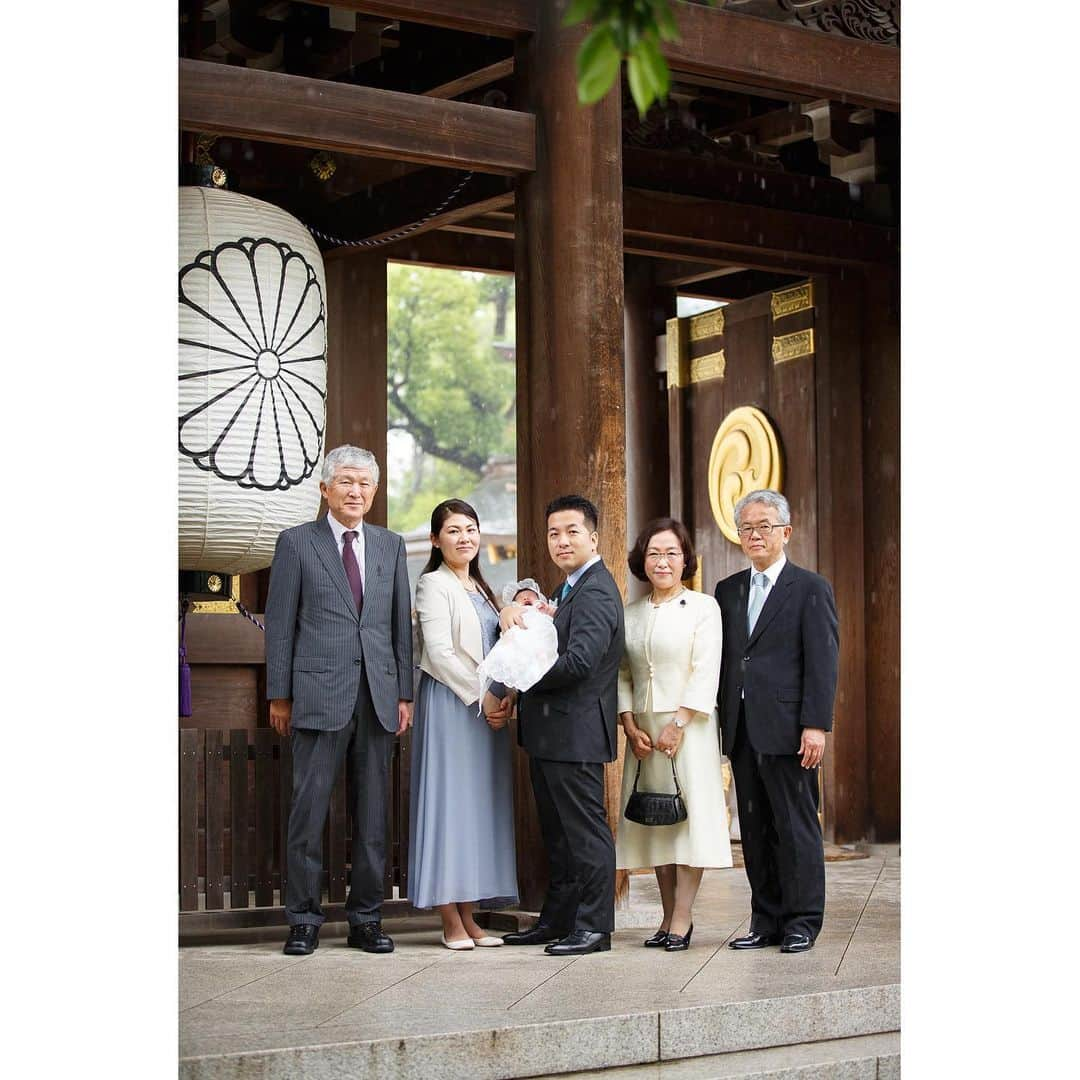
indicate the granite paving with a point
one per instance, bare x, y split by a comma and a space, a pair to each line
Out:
249, 1010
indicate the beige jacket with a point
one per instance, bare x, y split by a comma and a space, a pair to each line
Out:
679, 662
451, 639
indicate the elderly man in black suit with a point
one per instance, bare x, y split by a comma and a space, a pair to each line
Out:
339, 679
777, 686
566, 723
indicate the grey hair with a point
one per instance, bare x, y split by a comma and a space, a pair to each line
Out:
769, 498
349, 457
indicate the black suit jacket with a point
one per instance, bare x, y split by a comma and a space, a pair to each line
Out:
787, 668
570, 714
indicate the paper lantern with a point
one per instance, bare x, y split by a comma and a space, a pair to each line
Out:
252, 389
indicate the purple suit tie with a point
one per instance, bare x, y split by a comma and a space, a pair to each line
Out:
352, 571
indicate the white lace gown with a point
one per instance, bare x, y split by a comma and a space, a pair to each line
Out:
672, 658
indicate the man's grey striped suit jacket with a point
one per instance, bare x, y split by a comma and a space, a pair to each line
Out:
316, 644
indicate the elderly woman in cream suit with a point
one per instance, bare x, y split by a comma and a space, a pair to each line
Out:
461, 821
667, 706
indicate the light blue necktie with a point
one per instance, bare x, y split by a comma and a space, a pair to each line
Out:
563, 591
757, 601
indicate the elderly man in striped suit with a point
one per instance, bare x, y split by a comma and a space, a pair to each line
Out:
339, 678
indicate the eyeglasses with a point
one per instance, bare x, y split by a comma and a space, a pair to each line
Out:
670, 556
765, 529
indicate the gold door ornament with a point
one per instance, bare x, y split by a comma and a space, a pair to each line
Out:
792, 346
745, 457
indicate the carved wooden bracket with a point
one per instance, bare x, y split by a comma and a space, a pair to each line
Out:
844, 139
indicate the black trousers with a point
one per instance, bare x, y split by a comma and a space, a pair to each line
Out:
781, 838
366, 746
580, 850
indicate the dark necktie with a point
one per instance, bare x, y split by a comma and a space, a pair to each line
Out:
352, 571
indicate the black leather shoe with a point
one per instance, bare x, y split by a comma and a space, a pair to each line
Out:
369, 936
657, 941
540, 934
679, 942
754, 940
579, 943
303, 940
797, 943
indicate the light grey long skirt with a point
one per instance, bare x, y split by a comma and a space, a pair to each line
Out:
461, 820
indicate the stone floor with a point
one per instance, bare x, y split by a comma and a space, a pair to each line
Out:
247, 1009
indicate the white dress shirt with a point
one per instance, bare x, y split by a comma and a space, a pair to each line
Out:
339, 532
771, 572
575, 577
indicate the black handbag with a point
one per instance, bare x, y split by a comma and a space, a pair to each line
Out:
656, 807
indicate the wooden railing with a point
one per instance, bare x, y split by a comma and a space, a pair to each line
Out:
235, 790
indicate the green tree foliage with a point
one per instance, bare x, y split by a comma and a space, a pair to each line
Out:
446, 385
623, 29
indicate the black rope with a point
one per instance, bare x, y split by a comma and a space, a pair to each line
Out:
247, 615
337, 241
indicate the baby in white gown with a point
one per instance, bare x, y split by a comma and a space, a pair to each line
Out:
523, 653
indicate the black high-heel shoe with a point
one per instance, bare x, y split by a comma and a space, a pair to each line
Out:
657, 941
679, 942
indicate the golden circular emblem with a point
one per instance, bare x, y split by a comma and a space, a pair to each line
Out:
218, 176
745, 457
213, 583
323, 165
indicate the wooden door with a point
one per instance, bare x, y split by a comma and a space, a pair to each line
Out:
765, 392
756, 353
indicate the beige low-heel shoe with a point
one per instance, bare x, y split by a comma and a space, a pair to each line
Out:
457, 946
488, 942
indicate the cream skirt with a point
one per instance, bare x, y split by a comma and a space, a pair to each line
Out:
701, 840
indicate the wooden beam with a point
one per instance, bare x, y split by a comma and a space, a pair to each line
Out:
675, 275
245, 102
740, 286
675, 251
750, 234
501, 69
770, 55
496, 18
454, 251
436, 62
405, 202
499, 225
776, 128
708, 237
715, 178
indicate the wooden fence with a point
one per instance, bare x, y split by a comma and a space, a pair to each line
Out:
235, 790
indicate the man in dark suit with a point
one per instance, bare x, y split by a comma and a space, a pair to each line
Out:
566, 723
777, 685
339, 678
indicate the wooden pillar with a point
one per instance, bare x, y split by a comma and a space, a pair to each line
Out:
356, 359
569, 263
881, 496
680, 485
840, 542
647, 482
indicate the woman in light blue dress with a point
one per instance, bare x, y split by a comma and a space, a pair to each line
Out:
461, 821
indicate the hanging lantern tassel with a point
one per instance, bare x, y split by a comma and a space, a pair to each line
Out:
185, 671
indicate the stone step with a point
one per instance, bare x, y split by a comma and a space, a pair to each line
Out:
659, 1039
862, 1057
